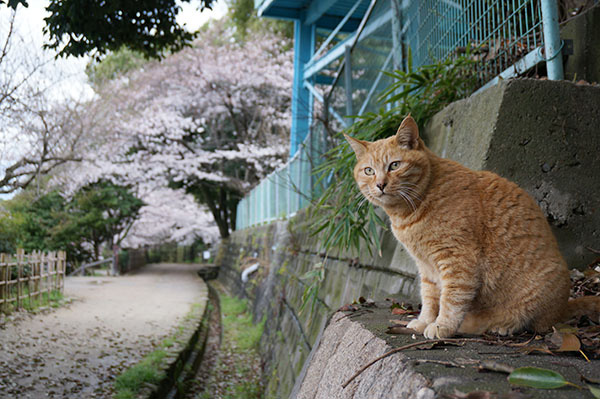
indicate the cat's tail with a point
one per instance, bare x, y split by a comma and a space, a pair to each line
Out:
585, 305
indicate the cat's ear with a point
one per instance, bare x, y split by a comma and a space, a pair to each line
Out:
408, 134
359, 146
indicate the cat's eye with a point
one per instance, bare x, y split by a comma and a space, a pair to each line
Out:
369, 171
394, 165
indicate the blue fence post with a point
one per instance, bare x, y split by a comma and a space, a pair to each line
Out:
302, 99
552, 42
348, 79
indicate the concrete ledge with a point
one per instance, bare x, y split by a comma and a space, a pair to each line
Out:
344, 347
352, 340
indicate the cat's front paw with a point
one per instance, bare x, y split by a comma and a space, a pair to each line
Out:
437, 331
417, 325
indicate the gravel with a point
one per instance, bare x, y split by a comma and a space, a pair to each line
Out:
110, 324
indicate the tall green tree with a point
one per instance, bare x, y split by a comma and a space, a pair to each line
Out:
114, 65
242, 16
94, 27
99, 213
102, 213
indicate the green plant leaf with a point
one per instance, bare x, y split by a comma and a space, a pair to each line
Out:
534, 377
594, 391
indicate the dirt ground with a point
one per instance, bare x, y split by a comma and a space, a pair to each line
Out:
76, 351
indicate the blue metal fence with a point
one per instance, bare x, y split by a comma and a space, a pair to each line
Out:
353, 42
285, 191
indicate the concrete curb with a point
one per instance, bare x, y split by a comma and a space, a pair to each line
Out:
185, 356
353, 340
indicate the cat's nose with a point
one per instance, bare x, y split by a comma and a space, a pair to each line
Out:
381, 186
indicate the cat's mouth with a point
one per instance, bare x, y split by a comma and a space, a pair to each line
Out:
379, 196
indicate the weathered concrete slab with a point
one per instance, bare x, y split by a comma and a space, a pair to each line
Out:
344, 348
351, 341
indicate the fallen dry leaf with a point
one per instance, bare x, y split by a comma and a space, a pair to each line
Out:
536, 348
400, 311
348, 308
565, 328
400, 330
565, 341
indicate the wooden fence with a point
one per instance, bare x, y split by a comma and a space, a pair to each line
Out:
26, 278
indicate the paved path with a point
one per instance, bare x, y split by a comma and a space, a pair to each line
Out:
76, 351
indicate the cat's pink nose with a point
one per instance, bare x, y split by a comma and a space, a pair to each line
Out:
381, 186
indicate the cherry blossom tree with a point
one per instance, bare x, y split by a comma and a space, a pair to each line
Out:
171, 216
209, 121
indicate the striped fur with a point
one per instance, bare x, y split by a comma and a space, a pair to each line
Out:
487, 258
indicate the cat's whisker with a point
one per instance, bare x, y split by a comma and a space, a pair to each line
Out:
415, 194
408, 200
411, 187
408, 188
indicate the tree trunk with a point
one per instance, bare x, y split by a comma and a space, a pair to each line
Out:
210, 202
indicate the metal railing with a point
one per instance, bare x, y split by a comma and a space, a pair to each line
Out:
286, 190
508, 37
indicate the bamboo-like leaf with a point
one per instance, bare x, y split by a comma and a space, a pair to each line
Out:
595, 391
534, 377
352, 225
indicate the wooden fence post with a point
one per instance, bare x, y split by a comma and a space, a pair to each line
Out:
27, 260
20, 255
37, 275
4, 282
46, 266
52, 269
62, 255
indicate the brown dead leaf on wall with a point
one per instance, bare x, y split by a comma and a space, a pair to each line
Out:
565, 341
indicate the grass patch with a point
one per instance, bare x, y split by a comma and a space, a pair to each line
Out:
52, 299
237, 323
150, 369
128, 384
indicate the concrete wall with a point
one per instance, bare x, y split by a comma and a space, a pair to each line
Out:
543, 135
584, 32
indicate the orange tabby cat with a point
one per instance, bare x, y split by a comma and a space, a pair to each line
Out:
487, 258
